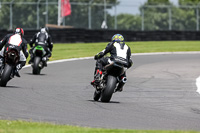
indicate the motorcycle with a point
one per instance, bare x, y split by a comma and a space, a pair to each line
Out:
7, 71
38, 63
109, 81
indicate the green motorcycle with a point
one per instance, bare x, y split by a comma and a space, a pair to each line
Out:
38, 64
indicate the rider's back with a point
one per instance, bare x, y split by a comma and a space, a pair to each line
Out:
15, 40
41, 38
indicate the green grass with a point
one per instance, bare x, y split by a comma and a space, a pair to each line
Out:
75, 50
33, 127
164, 46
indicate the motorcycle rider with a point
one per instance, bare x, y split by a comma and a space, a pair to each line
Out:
16, 39
116, 48
43, 39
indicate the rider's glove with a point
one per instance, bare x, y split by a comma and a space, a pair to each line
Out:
98, 56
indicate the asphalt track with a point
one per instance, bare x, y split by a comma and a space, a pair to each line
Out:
160, 95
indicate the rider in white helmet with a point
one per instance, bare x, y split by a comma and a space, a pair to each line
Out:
43, 39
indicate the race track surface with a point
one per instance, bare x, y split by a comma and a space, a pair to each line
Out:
160, 95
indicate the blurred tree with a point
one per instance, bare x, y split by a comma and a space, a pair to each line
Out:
22, 15
25, 15
79, 16
156, 14
127, 22
184, 19
149, 2
188, 2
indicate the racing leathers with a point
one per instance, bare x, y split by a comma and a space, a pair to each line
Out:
117, 50
43, 39
14, 41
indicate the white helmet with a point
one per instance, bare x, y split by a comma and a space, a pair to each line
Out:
43, 30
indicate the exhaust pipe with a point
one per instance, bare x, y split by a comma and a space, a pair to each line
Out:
124, 79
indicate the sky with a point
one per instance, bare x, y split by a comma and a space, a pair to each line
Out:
132, 6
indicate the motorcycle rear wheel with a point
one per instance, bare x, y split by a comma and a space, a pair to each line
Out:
109, 90
5, 77
36, 68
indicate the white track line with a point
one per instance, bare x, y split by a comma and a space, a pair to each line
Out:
136, 54
198, 84
64, 60
165, 53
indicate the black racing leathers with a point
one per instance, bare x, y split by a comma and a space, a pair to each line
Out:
117, 51
20, 44
43, 39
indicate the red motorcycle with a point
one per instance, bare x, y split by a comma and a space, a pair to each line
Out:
7, 72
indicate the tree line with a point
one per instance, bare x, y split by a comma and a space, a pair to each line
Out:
154, 15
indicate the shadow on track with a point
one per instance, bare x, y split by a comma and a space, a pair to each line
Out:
10, 87
116, 102
36, 74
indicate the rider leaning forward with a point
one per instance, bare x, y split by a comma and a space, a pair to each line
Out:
15, 40
43, 39
116, 48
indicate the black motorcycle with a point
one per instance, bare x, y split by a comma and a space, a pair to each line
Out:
109, 81
7, 71
38, 64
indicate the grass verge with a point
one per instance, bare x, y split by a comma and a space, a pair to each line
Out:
75, 50
33, 127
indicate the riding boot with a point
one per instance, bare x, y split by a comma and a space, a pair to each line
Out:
44, 60
120, 87
19, 67
31, 56
45, 64
31, 59
17, 73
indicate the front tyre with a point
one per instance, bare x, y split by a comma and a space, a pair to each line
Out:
5, 77
109, 90
36, 62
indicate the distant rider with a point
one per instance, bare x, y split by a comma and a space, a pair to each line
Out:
116, 48
16, 39
43, 39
